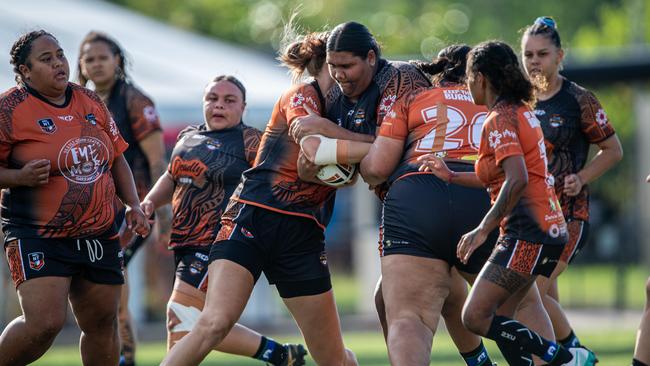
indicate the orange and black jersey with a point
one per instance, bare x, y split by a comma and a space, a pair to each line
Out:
81, 140
136, 117
572, 120
206, 167
273, 182
513, 130
392, 81
443, 120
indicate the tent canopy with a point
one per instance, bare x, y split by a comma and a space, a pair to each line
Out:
170, 65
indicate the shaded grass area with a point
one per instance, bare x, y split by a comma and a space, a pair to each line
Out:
614, 347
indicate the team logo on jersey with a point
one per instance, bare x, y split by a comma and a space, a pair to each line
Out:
90, 118
47, 125
601, 117
297, 100
150, 114
36, 260
247, 233
83, 159
66, 118
556, 121
213, 144
387, 103
323, 258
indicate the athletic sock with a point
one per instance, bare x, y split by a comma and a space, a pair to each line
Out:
571, 341
636, 362
511, 331
270, 351
514, 355
477, 357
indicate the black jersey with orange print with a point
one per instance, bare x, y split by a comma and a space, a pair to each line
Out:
443, 120
273, 182
392, 81
572, 120
81, 140
136, 117
513, 130
206, 167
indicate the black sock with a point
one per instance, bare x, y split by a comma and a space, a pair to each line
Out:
477, 357
511, 331
270, 351
571, 341
636, 362
514, 355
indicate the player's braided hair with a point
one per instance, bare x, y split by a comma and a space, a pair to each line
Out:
115, 48
499, 64
546, 27
21, 50
449, 65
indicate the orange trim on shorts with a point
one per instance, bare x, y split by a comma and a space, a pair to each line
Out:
575, 229
524, 257
280, 211
15, 260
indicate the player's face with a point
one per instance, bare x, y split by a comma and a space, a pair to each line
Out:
476, 85
541, 57
223, 105
98, 63
48, 68
352, 73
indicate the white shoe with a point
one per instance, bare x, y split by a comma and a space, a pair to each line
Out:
581, 357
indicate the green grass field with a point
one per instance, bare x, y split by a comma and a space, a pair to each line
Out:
614, 348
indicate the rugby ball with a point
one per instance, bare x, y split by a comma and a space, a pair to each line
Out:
336, 175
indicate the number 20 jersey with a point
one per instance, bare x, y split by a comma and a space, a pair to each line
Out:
442, 120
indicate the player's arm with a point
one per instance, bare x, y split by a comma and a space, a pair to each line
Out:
153, 147
313, 124
160, 195
307, 170
322, 150
610, 153
125, 188
381, 160
35, 173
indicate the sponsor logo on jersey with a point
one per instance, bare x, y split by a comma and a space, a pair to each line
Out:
387, 103
296, 100
189, 171
196, 267
495, 139
201, 256
47, 125
66, 118
150, 114
83, 159
532, 119
539, 112
323, 258
556, 121
359, 117
213, 144
90, 118
36, 260
463, 95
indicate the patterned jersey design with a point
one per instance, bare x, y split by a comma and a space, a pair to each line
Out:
572, 120
443, 120
273, 182
136, 117
513, 130
206, 167
80, 139
393, 81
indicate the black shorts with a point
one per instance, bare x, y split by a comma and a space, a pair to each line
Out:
136, 242
289, 249
192, 266
578, 234
424, 216
525, 257
96, 260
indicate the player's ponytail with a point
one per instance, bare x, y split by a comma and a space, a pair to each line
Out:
448, 66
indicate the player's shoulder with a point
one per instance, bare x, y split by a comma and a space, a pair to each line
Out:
190, 130
251, 131
134, 93
12, 97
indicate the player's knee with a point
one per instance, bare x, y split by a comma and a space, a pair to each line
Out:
350, 358
45, 330
213, 328
476, 319
379, 304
